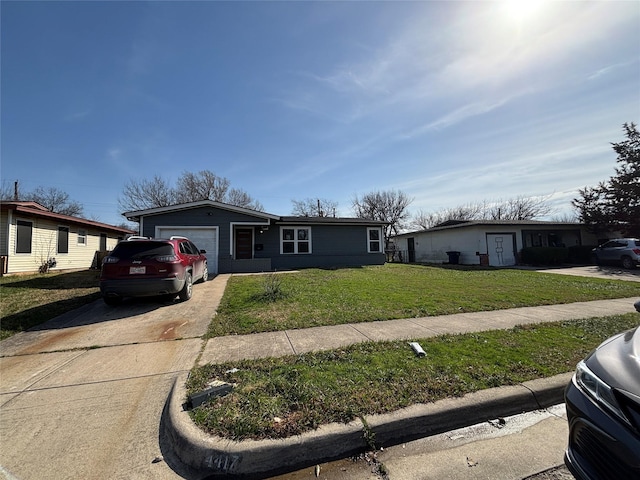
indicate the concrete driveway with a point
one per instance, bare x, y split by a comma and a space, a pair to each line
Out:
81, 396
598, 271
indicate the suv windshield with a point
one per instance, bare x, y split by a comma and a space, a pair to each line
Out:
135, 249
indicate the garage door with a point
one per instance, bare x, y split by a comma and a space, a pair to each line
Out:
500, 248
205, 238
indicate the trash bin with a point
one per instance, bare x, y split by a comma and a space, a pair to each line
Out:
454, 257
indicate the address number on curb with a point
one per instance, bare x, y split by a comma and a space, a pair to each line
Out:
223, 463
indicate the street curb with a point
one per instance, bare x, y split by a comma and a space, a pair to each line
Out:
255, 459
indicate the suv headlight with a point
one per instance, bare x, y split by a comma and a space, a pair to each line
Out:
599, 391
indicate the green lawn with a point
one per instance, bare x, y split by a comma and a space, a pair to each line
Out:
29, 300
329, 297
280, 397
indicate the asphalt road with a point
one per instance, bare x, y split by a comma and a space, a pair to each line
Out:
528, 446
82, 396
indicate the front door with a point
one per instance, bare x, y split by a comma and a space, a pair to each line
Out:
411, 247
244, 243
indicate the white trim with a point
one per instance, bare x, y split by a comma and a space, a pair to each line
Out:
380, 240
86, 239
15, 240
232, 229
295, 240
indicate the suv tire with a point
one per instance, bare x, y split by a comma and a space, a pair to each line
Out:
187, 290
627, 263
205, 274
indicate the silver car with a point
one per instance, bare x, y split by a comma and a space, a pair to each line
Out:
624, 251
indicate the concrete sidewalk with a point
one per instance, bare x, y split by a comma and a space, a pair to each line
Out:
213, 456
294, 342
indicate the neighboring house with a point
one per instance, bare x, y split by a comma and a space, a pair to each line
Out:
488, 242
242, 240
31, 236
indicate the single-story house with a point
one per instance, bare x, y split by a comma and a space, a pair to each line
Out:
243, 240
487, 242
32, 237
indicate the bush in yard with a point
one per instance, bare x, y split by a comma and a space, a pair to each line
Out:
580, 254
545, 255
272, 288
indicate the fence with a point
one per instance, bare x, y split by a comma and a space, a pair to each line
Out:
397, 256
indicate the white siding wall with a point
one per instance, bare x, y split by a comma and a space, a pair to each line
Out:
431, 247
44, 245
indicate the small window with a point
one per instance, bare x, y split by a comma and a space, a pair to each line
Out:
63, 239
82, 237
295, 240
24, 231
374, 240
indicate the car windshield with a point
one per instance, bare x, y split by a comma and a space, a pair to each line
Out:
132, 250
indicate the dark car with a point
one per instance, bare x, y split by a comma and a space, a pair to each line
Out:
144, 267
603, 410
622, 251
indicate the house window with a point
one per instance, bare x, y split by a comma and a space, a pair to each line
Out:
295, 240
374, 240
63, 239
24, 231
82, 237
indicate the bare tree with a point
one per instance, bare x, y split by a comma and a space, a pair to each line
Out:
8, 191
314, 207
143, 194
425, 220
388, 206
190, 187
240, 198
204, 185
518, 208
55, 200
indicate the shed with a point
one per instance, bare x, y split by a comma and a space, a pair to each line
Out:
488, 242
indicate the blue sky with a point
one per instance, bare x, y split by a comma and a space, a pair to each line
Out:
450, 102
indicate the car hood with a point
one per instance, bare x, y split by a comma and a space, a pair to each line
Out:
617, 361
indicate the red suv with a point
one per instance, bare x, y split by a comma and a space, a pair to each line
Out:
144, 267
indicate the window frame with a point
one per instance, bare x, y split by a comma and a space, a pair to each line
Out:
379, 240
82, 237
63, 228
296, 241
18, 241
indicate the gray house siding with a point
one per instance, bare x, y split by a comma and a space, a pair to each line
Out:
201, 217
332, 246
333, 242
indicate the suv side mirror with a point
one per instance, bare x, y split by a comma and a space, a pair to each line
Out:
203, 251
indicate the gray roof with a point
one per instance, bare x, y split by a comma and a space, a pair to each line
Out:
452, 224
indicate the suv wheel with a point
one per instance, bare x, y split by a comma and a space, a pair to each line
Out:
205, 273
627, 263
187, 290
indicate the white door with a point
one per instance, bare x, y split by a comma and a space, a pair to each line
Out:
500, 247
205, 238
